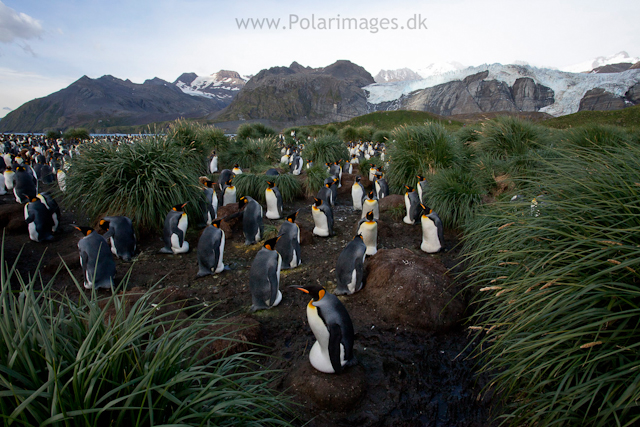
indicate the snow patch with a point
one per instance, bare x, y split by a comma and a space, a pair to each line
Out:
587, 66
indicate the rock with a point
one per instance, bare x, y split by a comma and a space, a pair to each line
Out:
530, 96
599, 99
328, 391
409, 289
390, 202
229, 225
12, 218
306, 235
633, 94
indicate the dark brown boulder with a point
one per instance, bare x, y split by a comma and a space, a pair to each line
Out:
230, 223
306, 235
390, 202
410, 289
337, 392
12, 218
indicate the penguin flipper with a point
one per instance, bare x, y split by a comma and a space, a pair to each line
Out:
360, 270
335, 339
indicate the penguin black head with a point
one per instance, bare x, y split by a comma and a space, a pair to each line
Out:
369, 216
84, 230
425, 210
409, 188
292, 217
358, 178
335, 180
179, 207
317, 202
243, 201
235, 166
216, 222
230, 183
358, 236
371, 194
271, 184
420, 178
208, 183
271, 243
328, 184
20, 169
104, 224
316, 292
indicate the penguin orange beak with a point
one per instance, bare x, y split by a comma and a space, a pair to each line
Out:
303, 290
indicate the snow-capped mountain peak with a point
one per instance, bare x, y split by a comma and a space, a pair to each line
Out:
223, 85
587, 66
439, 68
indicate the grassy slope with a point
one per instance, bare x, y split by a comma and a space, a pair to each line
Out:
627, 118
388, 120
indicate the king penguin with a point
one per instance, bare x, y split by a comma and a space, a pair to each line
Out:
9, 178
357, 194
325, 193
52, 207
236, 170
288, 245
432, 231
24, 187
97, 263
175, 229
211, 199
380, 184
213, 163
228, 193
412, 206
211, 250
370, 204
225, 176
119, 232
331, 325
274, 201
264, 277
368, 229
350, 266
252, 225
423, 187
296, 164
322, 218
39, 222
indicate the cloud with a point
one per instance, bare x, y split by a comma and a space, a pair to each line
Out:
8, 109
14, 25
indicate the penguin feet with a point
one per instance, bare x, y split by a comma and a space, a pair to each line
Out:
165, 250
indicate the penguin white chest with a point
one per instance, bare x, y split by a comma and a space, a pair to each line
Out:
407, 203
370, 205
356, 196
220, 265
319, 354
320, 220
213, 166
229, 196
430, 241
176, 247
369, 231
272, 204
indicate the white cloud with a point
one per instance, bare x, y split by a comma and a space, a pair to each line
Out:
15, 25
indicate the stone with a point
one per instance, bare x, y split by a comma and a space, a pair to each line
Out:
599, 99
390, 202
407, 289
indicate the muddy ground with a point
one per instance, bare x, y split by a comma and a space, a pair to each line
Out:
404, 377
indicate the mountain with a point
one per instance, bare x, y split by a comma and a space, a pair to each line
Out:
399, 75
223, 85
302, 94
440, 68
106, 102
600, 61
497, 87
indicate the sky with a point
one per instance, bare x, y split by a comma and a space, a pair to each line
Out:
45, 45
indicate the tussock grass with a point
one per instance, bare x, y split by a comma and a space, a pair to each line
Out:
254, 131
254, 185
104, 362
598, 136
250, 153
419, 150
508, 136
313, 179
349, 134
327, 148
142, 181
381, 136
365, 133
557, 302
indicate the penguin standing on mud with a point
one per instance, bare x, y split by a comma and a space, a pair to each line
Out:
211, 250
380, 184
252, 225
350, 267
274, 201
24, 187
228, 193
322, 218
39, 222
211, 199
223, 178
264, 277
325, 193
432, 231
288, 245
368, 229
9, 178
331, 324
119, 232
175, 230
357, 194
370, 204
412, 206
52, 207
98, 266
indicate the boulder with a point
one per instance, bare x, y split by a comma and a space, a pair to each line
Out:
328, 391
409, 289
390, 202
231, 222
12, 218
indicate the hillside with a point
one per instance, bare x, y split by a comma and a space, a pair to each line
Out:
627, 118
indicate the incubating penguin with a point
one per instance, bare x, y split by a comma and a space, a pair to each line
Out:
252, 225
120, 234
52, 207
350, 267
175, 230
225, 176
24, 187
211, 199
213, 163
9, 178
229, 193
264, 277
326, 194
412, 205
331, 324
272, 172
357, 194
98, 265
236, 170
38, 220
274, 201
211, 250
423, 187
322, 218
432, 231
370, 204
288, 245
368, 229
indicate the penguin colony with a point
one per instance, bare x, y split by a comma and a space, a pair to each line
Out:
28, 163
